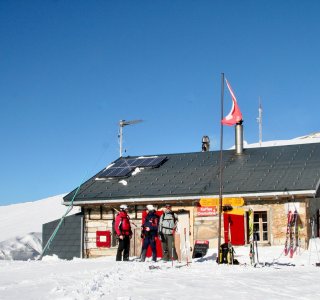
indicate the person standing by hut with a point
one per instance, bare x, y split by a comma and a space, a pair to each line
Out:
150, 232
123, 230
167, 226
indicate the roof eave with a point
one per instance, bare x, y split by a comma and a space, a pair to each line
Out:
307, 193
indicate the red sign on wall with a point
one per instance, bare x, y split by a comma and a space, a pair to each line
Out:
103, 239
201, 242
206, 211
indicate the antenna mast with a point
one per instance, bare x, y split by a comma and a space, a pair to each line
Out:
123, 123
259, 120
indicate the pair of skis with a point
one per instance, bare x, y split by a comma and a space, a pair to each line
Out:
253, 254
157, 267
292, 238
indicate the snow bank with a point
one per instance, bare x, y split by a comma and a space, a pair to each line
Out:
104, 278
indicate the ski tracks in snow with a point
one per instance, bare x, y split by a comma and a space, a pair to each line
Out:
98, 285
117, 282
97, 279
120, 281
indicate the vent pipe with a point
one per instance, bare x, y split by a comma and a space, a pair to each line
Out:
239, 138
205, 143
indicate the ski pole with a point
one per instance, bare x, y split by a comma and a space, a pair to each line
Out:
256, 244
185, 245
172, 245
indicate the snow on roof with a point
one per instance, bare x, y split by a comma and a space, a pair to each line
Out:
306, 139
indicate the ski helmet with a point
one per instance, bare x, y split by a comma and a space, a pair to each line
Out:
123, 207
150, 207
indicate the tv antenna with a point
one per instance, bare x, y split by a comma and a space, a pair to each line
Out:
123, 123
259, 120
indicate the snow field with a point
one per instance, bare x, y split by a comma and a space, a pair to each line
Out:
104, 278
21, 276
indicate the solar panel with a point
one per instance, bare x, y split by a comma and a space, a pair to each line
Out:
124, 166
152, 161
156, 161
139, 162
134, 162
123, 172
119, 163
116, 172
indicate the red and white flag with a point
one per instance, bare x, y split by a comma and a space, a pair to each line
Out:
235, 115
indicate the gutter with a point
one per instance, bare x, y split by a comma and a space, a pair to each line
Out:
308, 193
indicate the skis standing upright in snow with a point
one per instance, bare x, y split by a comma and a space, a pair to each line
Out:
251, 239
286, 244
293, 234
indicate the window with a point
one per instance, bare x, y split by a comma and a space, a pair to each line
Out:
95, 213
260, 226
107, 213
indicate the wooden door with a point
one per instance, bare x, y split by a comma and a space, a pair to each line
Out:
234, 228
182, 237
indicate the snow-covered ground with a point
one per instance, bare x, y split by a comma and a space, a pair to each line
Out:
52, 278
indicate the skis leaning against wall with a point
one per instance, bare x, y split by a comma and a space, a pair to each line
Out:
293, 234
286, 244
251, 239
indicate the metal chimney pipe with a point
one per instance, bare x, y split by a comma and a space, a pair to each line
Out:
239, 138
205, 143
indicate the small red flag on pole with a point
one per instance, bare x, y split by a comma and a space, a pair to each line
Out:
235, 115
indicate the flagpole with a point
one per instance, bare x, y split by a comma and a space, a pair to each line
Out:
220, 168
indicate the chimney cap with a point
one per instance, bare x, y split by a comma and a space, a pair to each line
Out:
205, 143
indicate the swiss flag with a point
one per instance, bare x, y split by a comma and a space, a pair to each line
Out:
235, 115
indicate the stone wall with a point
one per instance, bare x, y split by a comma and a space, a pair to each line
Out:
204, 227
101, 218
94, 221
279, 220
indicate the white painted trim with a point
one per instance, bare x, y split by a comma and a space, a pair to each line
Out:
308, 193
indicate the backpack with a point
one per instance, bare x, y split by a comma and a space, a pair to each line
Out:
170, 213
124, 220
167, 219
226, 255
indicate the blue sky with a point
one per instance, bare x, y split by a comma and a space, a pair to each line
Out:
70, 70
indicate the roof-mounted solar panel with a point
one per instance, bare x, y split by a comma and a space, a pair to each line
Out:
119, 164
151, 162
123, 166
133, 162
140, 162
155, 161
115, 172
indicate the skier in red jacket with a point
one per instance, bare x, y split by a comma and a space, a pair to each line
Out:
123, 230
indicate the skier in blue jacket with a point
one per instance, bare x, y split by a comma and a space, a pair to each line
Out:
149, 233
